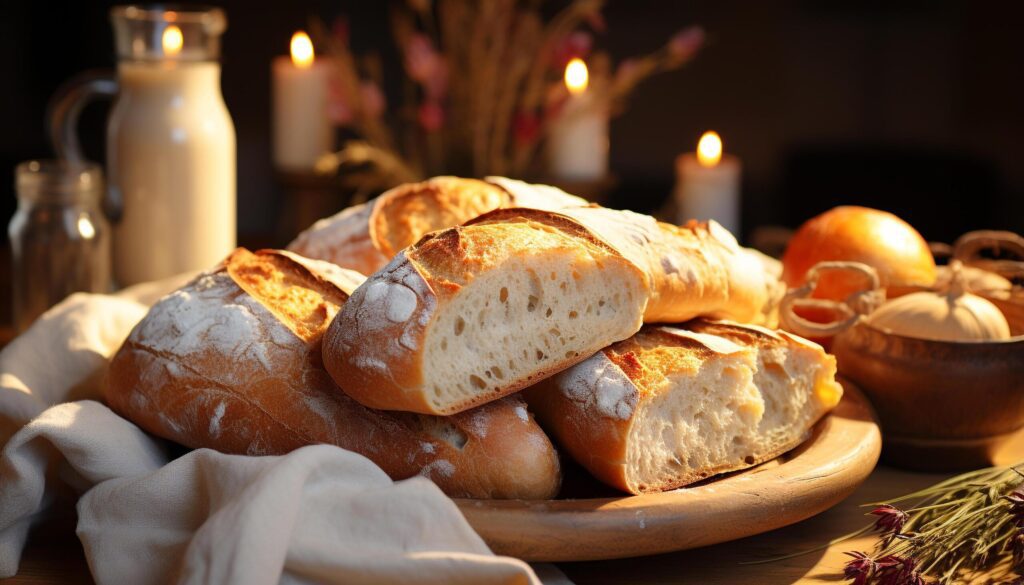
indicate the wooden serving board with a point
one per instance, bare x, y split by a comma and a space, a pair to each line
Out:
838, 456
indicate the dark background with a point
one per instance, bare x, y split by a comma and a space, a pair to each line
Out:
910, 106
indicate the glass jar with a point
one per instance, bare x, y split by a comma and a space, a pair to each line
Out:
60, 239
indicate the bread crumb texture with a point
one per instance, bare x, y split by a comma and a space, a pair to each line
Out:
550, 304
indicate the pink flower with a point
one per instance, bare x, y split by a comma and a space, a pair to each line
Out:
431, 116
576, 44
890, 519
686, 42
421, 58
338, 109
373, 99
436, 86
859, 569
339, 113
1016, 499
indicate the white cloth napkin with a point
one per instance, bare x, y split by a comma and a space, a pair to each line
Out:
320, 514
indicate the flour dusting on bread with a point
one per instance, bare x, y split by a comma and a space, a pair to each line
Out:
197, 320
232, 361
599, 386
703, 398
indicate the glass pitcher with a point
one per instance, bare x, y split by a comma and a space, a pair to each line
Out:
170, 142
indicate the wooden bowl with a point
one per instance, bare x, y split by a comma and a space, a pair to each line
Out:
943, 405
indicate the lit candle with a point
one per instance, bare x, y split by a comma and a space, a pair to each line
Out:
578, 143
708, 184
302, 130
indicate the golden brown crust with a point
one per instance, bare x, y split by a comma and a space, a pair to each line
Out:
597, 436
647, 358
559, 221
594, 439
360, 339
692, 270
458, 255
378, 360
342, 239
404, 214
232, 362
687, 272
367, 236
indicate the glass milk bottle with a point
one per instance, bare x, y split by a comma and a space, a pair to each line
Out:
170, 144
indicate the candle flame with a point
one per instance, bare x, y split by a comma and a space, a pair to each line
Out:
709, 149
576, 76
172, 40
302, 50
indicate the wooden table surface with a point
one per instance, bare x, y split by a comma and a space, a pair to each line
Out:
54, 554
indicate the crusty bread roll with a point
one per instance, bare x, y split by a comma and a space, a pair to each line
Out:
698, 269
668, 406
232, 362
471, 314
365, 237
343, 239
476, 312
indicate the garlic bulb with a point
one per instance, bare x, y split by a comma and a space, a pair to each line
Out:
954, 315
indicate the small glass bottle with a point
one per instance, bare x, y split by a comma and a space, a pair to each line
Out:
60, 239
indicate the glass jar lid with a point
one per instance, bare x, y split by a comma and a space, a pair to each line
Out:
58, 181
168, 32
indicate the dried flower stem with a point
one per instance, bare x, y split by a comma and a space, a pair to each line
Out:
347, 75
483, 85
952, 531
534, 90
958, 527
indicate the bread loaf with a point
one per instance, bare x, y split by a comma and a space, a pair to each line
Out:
343, 239
366, 236
232, 361
672, 406
694, 270
476, 312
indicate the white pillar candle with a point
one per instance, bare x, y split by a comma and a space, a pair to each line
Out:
708, 185
302, 129
578, 143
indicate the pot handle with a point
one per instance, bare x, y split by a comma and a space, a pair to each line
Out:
852, 309
971, 247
